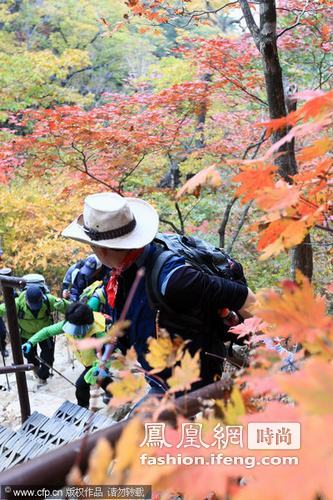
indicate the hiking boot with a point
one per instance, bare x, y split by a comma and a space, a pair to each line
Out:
40, 382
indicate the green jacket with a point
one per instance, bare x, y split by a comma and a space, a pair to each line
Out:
86, 357
28, 324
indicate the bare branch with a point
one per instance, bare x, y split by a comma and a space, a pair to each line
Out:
88, 173
171, 224
181, 220
225, 220
251, 24
241, 87
227, 212
323, 228
128, 174
255, 145
199, 13
239, 227
297, 22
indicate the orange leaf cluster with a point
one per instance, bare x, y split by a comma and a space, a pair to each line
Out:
295, 311
291, 210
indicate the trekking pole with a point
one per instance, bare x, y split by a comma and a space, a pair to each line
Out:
71, 358
4, 364
54, 346
49, 366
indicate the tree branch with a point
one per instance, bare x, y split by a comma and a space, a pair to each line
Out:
128, 174
199, 13
88, 173
297, 22
181, 220
171, 224
225, 220
239, 227
251, 24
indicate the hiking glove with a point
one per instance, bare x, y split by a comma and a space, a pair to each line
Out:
26, 348
100, 372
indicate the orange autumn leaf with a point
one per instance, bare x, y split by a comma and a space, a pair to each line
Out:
321, 171
248, 327
326, 32
207, 177
294, 311
318, 148
308, 476
185, 374
268, 231
283, 234
254, 178
316, 109
311, 387
279, 197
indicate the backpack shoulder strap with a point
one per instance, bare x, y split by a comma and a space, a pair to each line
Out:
20, 308
153, 270
48, 305
155, 296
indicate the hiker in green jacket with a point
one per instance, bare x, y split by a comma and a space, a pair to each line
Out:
34, 310
80, 322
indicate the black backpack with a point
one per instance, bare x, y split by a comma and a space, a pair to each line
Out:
196, 252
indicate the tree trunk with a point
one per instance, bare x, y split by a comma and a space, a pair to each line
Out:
302, 258
265, 38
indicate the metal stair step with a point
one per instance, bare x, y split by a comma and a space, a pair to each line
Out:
81, 417
20, 447
39, 433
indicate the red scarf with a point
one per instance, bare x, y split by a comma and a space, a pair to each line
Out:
112, 286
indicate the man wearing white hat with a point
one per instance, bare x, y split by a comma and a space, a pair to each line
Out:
120, 232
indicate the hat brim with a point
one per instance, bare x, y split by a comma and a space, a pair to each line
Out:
144, 232
75, 330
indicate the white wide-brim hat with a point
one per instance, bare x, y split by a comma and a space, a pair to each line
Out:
112, 221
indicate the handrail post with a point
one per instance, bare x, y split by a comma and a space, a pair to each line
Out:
8, 283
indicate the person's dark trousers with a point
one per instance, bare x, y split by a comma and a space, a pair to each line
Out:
3, 333
82, 392
46, 353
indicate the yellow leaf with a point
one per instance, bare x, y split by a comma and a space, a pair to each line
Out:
234, 409
185, 374
127, 448
99, 462
164, 352
129, 388
127, 362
